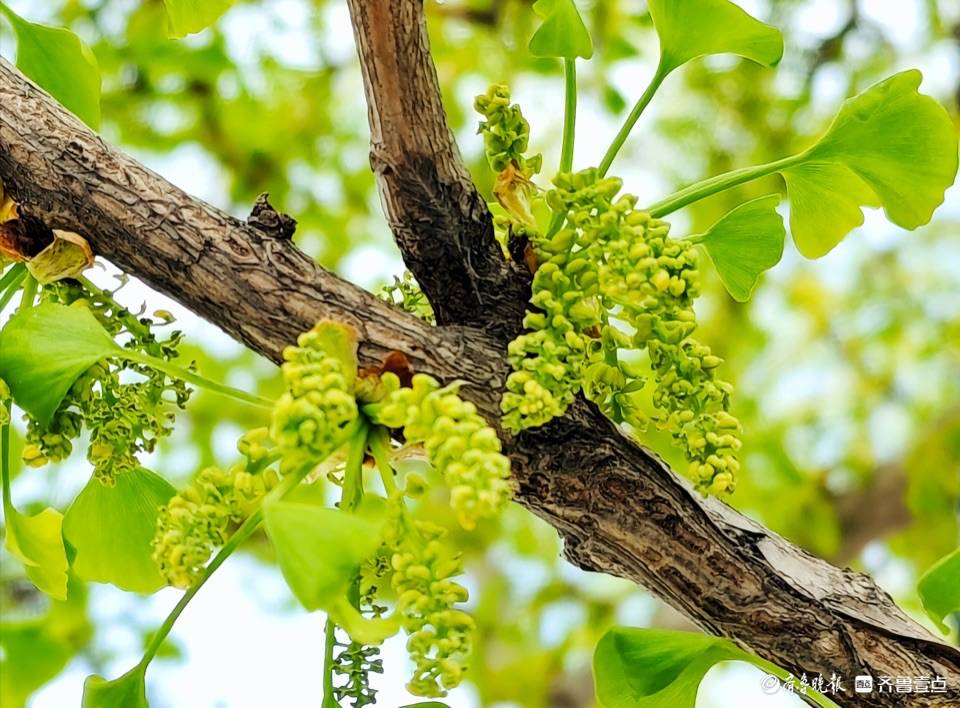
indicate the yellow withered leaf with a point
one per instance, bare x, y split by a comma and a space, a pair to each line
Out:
8, 207
67, 257
512, 190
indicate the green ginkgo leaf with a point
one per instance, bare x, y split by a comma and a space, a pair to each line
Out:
319, 550
638, 668
112, 526
44, 349
37, 541
562, 33
939, 589
34, 648
694, 28
889, 146
744, 243
188, 16
60, 63
339, 341
29, 658
128, 691
658, 668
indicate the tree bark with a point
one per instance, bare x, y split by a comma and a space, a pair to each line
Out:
438, 218
619, 509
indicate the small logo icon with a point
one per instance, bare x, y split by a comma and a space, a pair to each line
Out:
863, 684
770, 684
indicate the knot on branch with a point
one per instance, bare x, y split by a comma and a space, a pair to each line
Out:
273, 223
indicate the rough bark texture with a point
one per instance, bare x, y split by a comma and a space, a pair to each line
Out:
439, 220
617, 506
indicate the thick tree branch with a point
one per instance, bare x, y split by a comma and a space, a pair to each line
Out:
440, 221
619, 509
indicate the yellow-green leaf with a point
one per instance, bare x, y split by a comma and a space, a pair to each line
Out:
128, 691
111, 527
939, 588
29, 658
693, 28
638, 668
562, 33
35, 648
319, 550
189, 16
658, 668
37, 541
60, 63
744, 243
339, 341
44, 349
825, 205
889, 146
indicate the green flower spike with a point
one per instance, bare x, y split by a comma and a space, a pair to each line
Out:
458, 442
313, 417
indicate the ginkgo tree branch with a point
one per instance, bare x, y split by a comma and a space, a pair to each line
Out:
617, 506
418, 168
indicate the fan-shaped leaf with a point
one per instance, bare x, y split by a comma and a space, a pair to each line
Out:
37, 541
889, 146
339, 341
128, 691
35, 648
744, 243
562, 33
189, 16
44, 349
111, 528
939, 588
634, 668
693, 28
319, 550
656, 668
60, 63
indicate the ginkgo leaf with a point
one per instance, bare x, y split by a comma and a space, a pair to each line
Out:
189, 16
562, 33
744, 243
939, 589
37, 541
634, 668
889, 146
60, 63
128, 691
44, 349
825, 205
29, 658
67, 256
656, 668
111, 527
36, 647
339, 341
694, 28
319, 550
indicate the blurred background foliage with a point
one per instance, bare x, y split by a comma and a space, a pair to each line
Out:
847, 369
